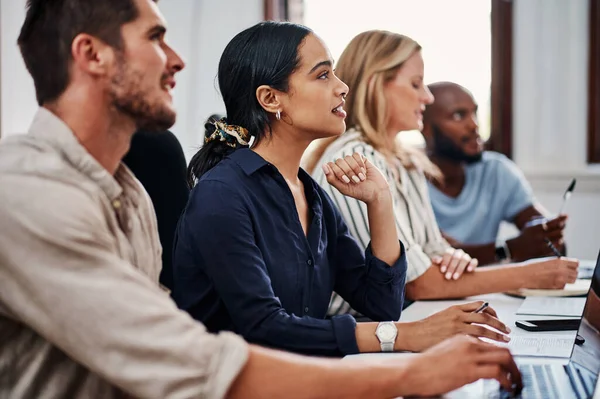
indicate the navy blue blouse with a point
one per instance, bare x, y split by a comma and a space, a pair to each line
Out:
243, 263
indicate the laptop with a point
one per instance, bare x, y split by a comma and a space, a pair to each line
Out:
578, 378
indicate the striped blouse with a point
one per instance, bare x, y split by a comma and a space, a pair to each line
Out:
415, 220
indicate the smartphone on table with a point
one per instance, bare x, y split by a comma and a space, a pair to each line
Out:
549, 325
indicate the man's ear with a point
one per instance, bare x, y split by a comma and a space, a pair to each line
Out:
91, 54
269, 99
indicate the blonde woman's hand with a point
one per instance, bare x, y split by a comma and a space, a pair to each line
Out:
550, 273
454, 263
356, 177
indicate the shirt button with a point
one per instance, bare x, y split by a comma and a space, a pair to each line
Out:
309, 262
116, 204
306, 309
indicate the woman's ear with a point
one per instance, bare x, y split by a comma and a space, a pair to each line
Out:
269, 99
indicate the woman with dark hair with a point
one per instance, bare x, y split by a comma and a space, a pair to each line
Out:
260, 246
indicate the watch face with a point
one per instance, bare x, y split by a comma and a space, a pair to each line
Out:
386, 332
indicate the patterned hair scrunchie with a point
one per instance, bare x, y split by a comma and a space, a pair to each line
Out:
232, 135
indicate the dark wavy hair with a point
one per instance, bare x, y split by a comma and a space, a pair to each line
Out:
48, 32
264, 54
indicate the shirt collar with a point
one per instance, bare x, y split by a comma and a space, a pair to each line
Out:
248, 160
51, 129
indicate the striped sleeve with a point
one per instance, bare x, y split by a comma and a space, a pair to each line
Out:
436, 244
355, 212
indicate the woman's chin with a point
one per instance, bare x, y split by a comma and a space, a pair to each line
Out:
338, 132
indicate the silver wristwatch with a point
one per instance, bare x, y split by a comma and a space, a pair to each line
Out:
386, 333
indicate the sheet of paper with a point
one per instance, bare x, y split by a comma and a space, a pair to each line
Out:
547, 345
552, 306
578, 288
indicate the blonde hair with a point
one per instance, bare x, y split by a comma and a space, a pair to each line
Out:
369, 61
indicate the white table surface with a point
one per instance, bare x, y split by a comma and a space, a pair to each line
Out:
506, 306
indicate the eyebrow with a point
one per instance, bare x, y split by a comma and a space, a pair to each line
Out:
464, 110
320, 64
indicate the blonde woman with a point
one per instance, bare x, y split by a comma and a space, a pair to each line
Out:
384, 71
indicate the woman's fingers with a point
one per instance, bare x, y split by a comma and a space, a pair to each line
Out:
473, 306
350, 169
460, 261
360, 160
472, 265
339, 173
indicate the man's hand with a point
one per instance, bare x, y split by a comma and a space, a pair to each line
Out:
454, 263
459, 361
531, 242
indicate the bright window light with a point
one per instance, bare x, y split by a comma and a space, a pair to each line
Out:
455, 36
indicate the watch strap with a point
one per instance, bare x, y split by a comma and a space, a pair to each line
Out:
387, 346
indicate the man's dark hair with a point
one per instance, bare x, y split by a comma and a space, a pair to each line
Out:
50, 27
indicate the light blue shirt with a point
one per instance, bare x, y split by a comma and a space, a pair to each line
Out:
495, 190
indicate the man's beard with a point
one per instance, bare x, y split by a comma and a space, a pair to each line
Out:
445, 148
130, 100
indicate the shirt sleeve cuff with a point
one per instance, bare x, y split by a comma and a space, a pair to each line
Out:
230, 357
381, 272
344, 327
517, 208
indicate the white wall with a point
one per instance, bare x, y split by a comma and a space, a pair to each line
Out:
16, 86
550, 113
198, 29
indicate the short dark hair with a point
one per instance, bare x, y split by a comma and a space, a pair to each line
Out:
49, 29
264, 54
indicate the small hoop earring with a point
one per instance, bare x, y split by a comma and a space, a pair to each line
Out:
278, 115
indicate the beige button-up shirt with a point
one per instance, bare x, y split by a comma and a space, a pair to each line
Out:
81, 312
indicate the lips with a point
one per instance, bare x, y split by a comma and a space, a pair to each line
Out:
471, 139
339, 110
169, 84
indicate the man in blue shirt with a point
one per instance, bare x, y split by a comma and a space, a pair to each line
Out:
480, 189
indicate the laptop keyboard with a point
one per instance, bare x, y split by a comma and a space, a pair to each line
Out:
539, 383
582, 380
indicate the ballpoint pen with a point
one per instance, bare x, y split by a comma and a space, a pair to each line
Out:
481, 308
567, 194
552, 247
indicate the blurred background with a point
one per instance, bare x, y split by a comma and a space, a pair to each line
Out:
532, 65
